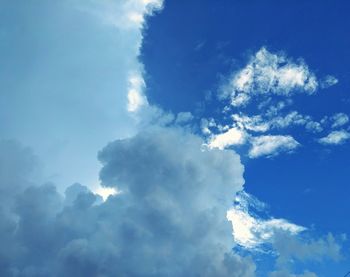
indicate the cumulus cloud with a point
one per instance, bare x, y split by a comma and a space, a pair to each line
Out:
335, 137
168, 220
170, 217
271, 145
268, 73
19, 168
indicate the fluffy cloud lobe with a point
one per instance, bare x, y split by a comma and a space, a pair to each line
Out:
168, 220
269, 73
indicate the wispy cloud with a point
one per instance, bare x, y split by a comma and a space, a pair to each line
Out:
335, 137
251, 232
339, 120
268, 73
271, 145
254, 230
261, 96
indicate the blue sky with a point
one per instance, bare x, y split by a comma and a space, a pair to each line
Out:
219, 130
310, 186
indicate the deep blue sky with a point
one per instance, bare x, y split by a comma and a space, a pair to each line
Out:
317, 31
179, 76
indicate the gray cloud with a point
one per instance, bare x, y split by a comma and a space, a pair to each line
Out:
294, 250
307, 249
169, 220
284, 273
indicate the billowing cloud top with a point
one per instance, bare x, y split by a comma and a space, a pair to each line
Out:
168, 220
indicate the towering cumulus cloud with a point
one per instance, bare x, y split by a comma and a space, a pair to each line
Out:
168, 220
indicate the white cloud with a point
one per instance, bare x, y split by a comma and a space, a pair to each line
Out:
127, 16
269, 73
294, 118
233, 136
252, 123
251, 231
269, 80
271, 145
105, 192
339, 120
136, 97
206, 124
335, 137
328, 81
290, 243
259, 123
314, 126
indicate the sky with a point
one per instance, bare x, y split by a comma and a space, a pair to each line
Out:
174, 138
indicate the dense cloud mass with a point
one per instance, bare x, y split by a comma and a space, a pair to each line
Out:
169, 219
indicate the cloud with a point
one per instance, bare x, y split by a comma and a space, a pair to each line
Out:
136, 97
269, 81
271, 145
294, 246
268, 73
184, 117
233, 136
300, 250
328, 81
296, 119
339, 120
285, 273
206, 124
250, 123
168, 220
91, 71
335, 137
251, 232
263, 123
19, 168
122, 14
